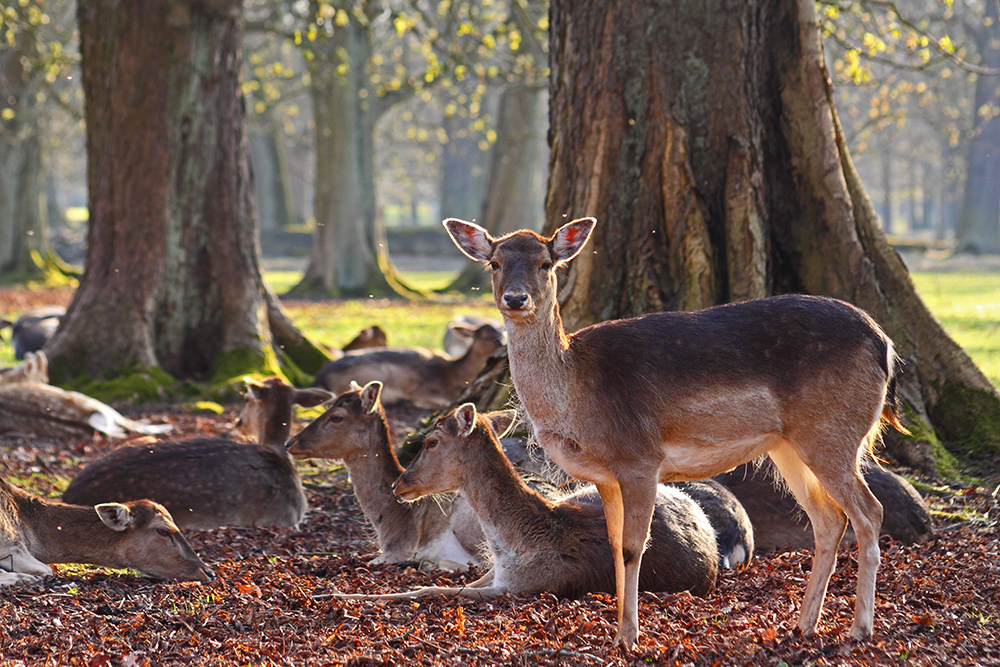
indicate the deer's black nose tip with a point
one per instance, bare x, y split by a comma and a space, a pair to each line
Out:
515, 301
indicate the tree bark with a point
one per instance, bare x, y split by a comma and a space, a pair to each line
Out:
705, 140
350, 256
23, 230
979, 222
172, 270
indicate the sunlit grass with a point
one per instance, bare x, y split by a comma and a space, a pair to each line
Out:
968, 305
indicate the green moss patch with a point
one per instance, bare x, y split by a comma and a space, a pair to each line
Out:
140, 386
967, 420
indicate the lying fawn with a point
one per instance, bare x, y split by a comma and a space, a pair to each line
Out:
677, 396
444, 532
540, 545
212, 482
778, 522
426, 378
139, 535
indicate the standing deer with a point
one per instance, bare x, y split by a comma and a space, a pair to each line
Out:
139, 535
444, 532
540, 545
211, 482
679, 396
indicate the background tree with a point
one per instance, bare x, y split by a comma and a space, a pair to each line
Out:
705, 140
32, 58
172, 270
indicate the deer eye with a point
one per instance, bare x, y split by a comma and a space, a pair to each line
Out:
336, 419
494, 265
546, 266
431, 443
163, 532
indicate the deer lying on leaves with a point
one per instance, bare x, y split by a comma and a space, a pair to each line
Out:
540, 545
677, 396
212, 482
426, 378
444, 533
139, 535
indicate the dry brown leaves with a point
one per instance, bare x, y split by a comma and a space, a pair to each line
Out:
937, 603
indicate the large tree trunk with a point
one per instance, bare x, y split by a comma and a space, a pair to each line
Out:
172, 272
704, 138
23, 244
350, 256
979, 221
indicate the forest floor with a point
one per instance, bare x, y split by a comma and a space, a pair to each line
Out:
937, 603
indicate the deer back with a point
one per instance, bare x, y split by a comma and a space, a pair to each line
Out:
204, 482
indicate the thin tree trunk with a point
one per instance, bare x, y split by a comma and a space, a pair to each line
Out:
172, 272
23, 232
708, 147
515, 197
979, 221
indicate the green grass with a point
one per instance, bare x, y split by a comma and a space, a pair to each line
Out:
968, 305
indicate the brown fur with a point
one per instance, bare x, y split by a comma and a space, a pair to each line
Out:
679, 396
139, 534
434, 531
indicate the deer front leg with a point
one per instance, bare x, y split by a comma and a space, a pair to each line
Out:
480, 589
628, 509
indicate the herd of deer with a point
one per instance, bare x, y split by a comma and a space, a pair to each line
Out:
639, 409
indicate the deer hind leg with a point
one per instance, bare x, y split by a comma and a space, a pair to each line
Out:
628, 509
828, 522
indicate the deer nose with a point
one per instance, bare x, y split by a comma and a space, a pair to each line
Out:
515, 300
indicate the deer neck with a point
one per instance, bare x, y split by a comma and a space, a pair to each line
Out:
506, 507
536, 349
61, 533
373, 473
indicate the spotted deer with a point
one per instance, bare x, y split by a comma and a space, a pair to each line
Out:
540, 545
35, 531
676, 396
443, 532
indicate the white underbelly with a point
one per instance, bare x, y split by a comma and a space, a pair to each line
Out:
445, 548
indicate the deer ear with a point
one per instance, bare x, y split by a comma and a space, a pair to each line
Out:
115, 516
462, 330
253, 388
311, 397
501, 422
370, 395
569, 239
470, 238
465, 415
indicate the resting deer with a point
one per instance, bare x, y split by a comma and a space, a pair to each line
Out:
539, 545
442, 532
685, 395
777, 520
33, 329
426, 378
138, 535
34, 368
211, 482
41, 410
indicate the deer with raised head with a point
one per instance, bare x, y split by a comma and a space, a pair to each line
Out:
424, 377
442, 532
140, 535
539, 545
34, 368
676, 396
211, 482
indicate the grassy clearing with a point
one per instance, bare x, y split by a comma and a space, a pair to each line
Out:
967, 303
